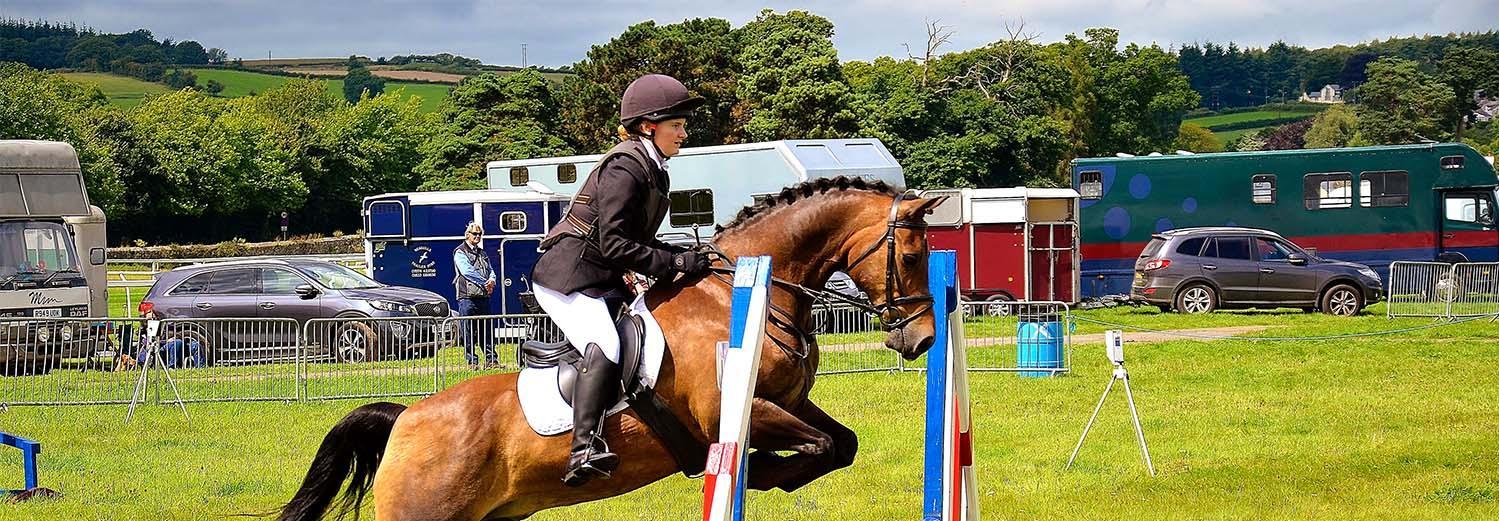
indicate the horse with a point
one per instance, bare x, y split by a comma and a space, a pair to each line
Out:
467, 453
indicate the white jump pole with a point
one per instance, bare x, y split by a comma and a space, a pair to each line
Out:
739, 366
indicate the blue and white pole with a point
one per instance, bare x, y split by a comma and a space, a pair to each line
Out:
739, 366
950, 489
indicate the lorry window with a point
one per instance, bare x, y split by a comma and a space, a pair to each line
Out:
47, 248
689, 207
513, 222
519, 176
1468, 208
1381, 189
1452, 162
567, 173
1327, 191
1090, 184
1262, 188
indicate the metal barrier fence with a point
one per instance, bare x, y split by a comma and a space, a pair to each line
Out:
58, 361
1439, 289
53, 361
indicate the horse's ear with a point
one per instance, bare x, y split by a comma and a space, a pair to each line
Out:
920, 207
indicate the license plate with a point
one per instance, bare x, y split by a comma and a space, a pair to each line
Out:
1139, 280
48, 312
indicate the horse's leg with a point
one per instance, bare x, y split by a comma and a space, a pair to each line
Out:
816, 452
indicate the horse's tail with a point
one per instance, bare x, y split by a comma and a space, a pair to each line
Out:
351, 450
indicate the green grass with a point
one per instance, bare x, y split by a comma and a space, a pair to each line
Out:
122, 91
1223, 119
1401, 427
129, 92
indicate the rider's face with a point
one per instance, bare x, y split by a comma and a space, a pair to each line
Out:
668, 135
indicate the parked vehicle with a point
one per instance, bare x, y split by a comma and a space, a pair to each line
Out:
51, 257
1372, 205
302, 290
1198, 270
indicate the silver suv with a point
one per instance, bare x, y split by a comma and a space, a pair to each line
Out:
1198, 270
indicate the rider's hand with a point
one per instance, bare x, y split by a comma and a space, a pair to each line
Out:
489, 286
689, 263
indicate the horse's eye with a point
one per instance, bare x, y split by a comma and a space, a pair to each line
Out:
909, 258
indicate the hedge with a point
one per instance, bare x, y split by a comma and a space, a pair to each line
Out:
240, 248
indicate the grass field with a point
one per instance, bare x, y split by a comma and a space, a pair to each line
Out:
1223, 119
122, 91
129, 92
1401, 427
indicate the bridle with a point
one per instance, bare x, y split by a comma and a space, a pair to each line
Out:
783, 318
891, 302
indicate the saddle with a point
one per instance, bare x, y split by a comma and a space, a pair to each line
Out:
537, 354
689, 453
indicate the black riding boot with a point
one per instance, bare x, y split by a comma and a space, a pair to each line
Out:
596, 389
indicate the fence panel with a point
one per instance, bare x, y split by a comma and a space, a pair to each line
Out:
850, 340
1033, 338
362, 357
1474, 287
229, 359
67, 361
1420, 289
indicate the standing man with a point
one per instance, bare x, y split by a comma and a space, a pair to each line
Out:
474, 283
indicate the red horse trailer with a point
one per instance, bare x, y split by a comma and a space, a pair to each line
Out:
1012, 243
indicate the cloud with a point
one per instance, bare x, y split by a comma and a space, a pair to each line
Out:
561, 32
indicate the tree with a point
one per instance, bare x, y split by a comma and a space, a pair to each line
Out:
792, 84
36, 105
1468, 70
699, 52
93, 53
213, 87
189, 52
1195, 138
1401, 104
180, 78
491, 117
216, 56
1291, 136
359, 82
1333, 127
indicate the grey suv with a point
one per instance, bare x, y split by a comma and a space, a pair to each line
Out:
1198, 270
297, 289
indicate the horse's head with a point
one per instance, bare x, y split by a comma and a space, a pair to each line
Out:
889, 262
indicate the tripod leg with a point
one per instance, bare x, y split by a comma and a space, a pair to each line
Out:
1089, 426
1139, 433
140, 386
173, 384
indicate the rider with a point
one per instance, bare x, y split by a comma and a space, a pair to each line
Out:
608, 231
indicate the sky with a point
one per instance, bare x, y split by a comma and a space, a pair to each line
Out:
560, 32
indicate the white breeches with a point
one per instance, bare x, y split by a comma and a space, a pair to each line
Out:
583, 319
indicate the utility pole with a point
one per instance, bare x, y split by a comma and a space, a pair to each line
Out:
522, 55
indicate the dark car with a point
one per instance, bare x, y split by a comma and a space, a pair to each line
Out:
303, 290
1198, 270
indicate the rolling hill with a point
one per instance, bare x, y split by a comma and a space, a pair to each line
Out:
128, 92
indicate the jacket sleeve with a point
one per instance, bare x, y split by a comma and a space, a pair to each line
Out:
620, 207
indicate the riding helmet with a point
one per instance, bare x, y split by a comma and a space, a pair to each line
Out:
656, 97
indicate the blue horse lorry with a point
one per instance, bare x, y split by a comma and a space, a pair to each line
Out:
410, 237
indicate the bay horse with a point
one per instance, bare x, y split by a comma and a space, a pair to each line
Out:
467, 453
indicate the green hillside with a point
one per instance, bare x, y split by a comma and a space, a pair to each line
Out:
122, 91
128, 92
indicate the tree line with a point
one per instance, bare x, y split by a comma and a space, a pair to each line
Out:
1231, 76
1012, 112
50, 45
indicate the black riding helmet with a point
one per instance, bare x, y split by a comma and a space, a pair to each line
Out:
656, 97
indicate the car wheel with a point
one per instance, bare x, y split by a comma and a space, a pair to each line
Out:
1196, 298
999, 306
355, 342
1342, 300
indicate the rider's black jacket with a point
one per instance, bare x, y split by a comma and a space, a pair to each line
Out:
610, 228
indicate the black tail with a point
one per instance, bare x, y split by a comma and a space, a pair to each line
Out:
351, 450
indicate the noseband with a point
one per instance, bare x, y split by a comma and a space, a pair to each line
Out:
891, 302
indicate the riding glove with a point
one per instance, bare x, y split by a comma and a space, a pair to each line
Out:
689, 263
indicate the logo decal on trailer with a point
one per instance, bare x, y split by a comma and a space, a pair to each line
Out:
423, 266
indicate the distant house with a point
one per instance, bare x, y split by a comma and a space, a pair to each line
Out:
1330, 93
1488, 108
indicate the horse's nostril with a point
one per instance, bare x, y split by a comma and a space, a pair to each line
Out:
925, 344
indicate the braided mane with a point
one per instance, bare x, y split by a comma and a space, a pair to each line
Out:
803, 191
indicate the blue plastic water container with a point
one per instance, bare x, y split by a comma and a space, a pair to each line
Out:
1038, 344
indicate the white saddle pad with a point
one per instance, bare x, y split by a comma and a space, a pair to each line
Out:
542, 402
